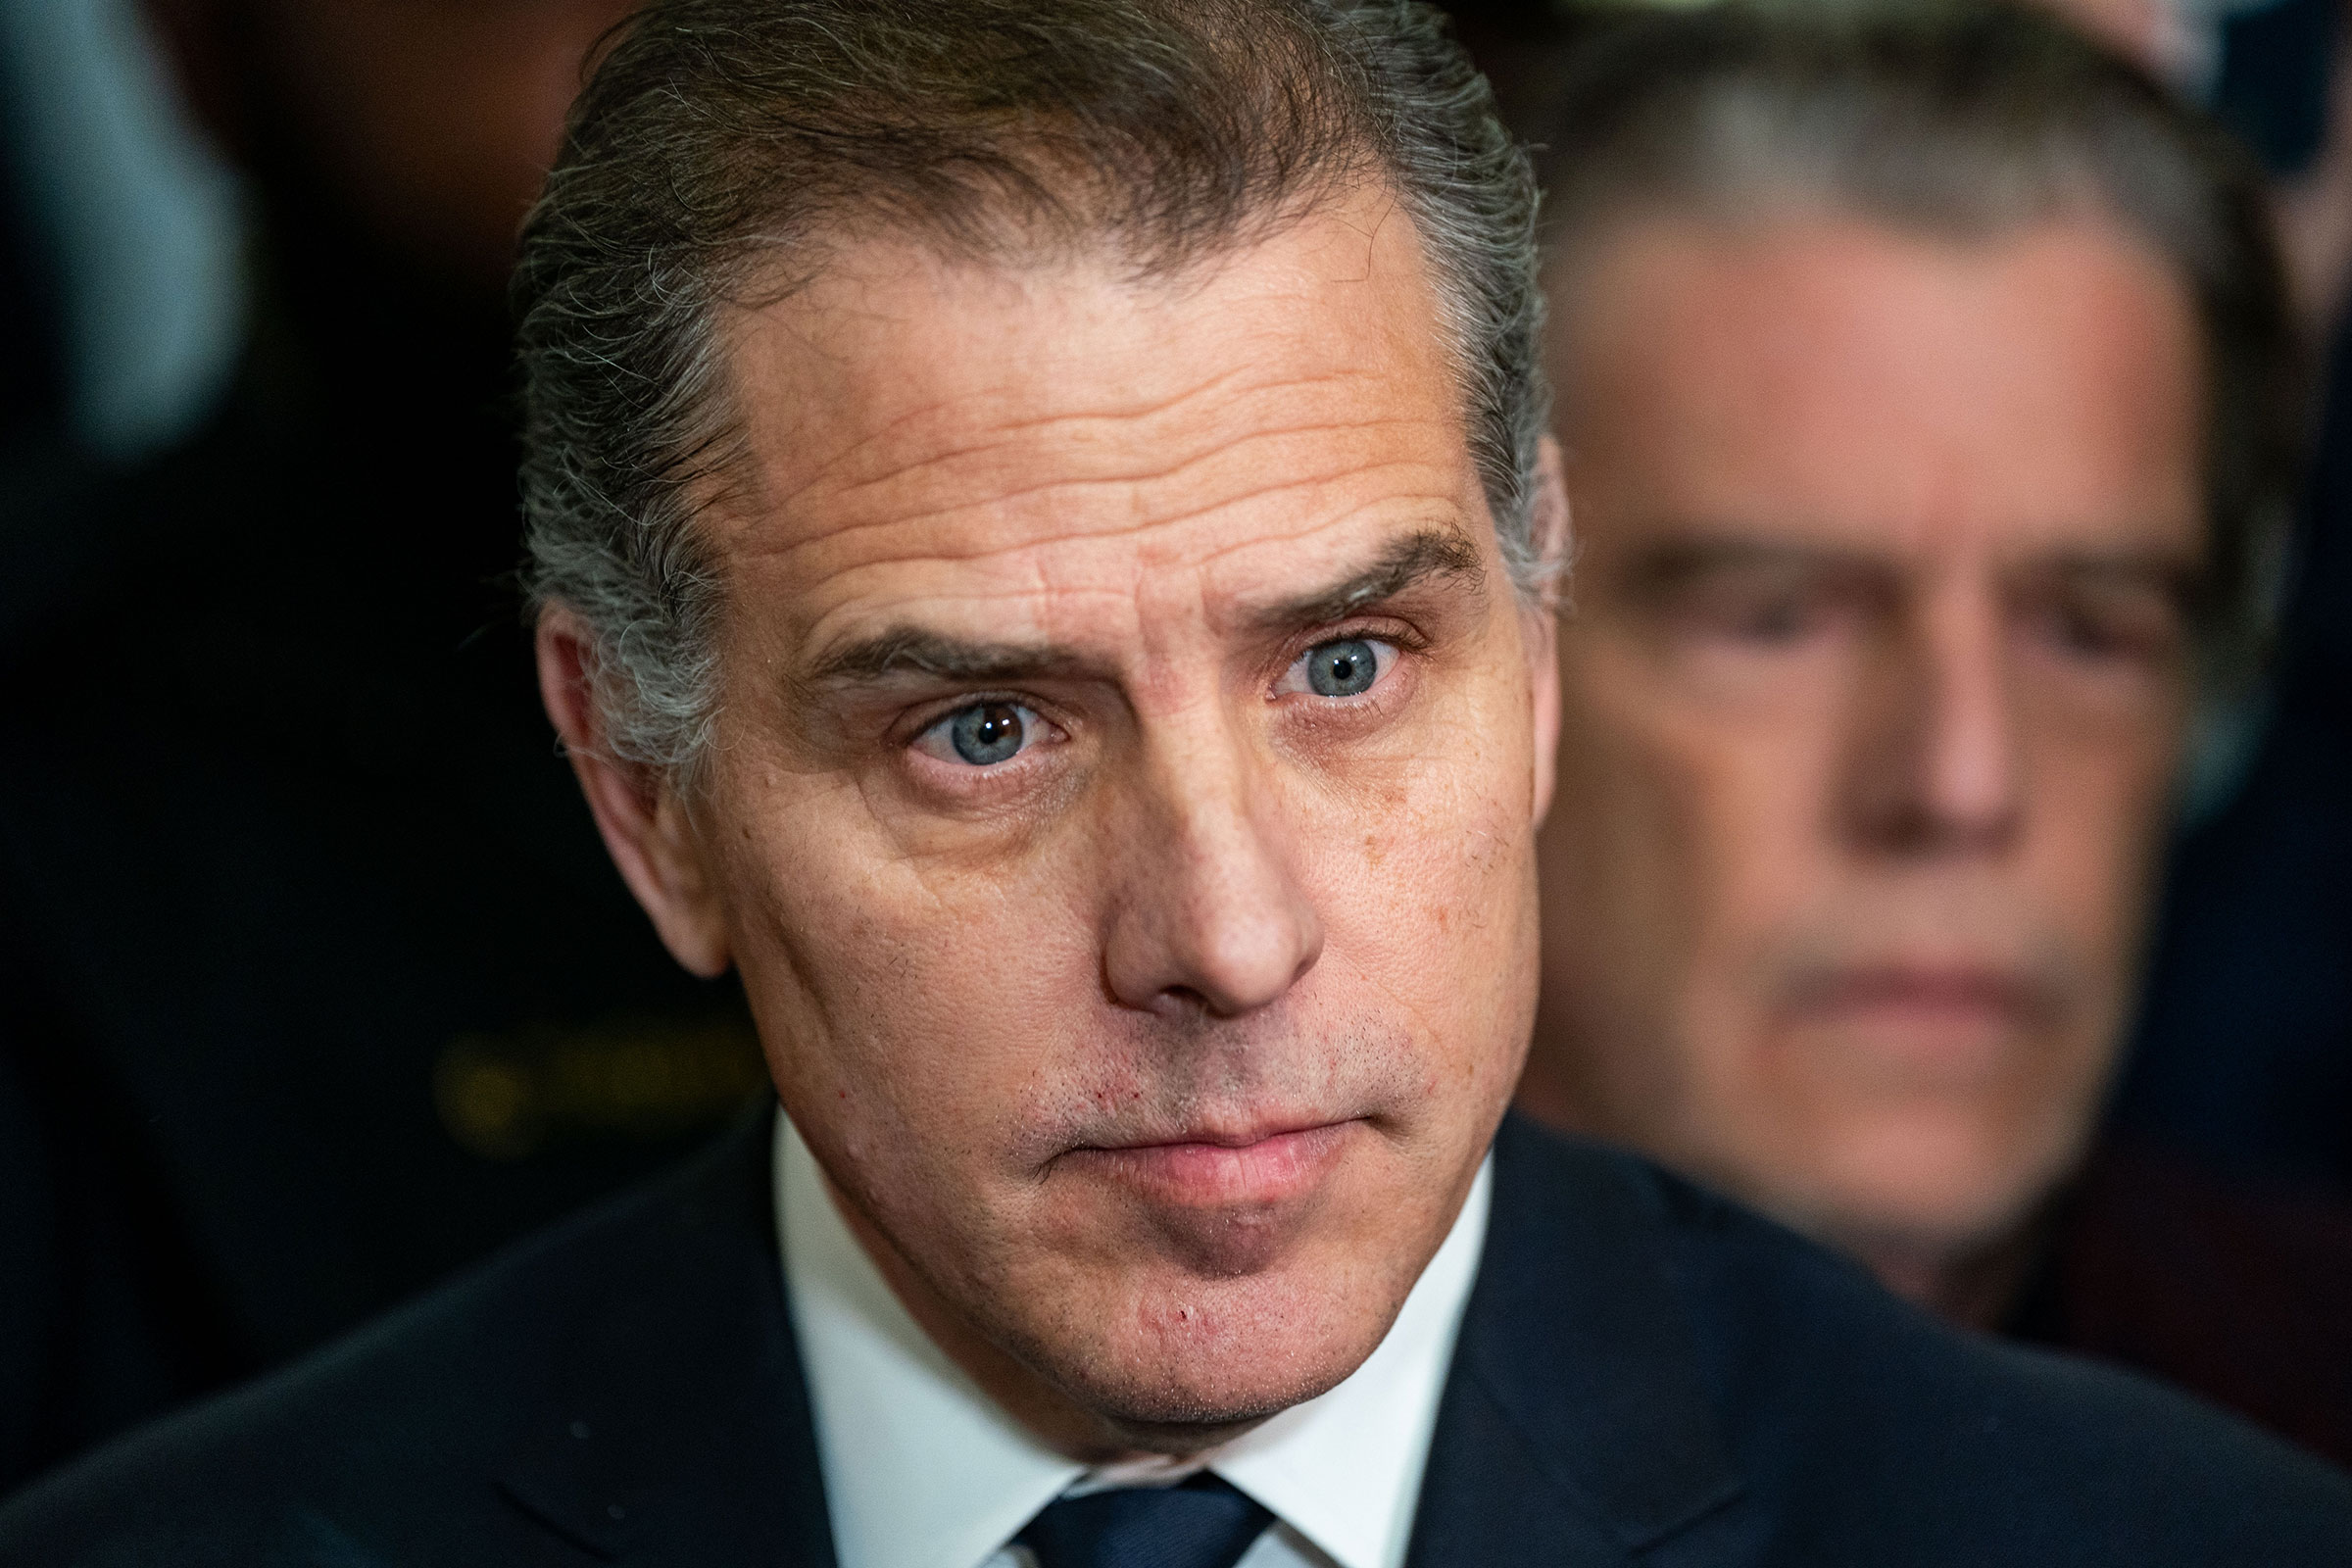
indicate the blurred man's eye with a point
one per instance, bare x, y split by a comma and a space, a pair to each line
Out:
1347, 667
1765, 611
1774, 618
983, 735
2103, 626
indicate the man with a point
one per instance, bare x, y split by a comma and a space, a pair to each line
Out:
1925, 381
1042, 544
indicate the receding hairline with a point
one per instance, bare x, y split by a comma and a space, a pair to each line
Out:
728, 487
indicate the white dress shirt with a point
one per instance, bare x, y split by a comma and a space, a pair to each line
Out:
924, 1470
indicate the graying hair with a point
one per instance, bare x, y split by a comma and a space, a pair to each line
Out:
1964, 120
720, 142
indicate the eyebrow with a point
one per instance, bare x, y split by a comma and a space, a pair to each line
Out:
1673, 565
2183, 578
908, 651
1423, 555
1427, 554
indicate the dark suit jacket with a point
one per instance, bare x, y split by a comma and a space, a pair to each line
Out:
2239, 1292
1646, 1373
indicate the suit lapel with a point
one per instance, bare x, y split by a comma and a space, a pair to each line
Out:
676, 1430
1574, 1427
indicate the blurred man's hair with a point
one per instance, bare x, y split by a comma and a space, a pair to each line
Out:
1966, 120
725, 146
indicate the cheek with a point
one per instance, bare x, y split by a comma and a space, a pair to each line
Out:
1430, 896
952, 963
2101, 806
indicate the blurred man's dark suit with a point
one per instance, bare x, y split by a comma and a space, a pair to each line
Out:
1644, 1373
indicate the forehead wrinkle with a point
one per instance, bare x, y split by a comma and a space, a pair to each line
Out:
999, 602
1215, 446
1027, 500
1002, 433
842, 352
783, 551
900, 396
1439, 503
1140, 569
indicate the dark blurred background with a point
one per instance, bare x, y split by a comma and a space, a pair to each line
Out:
307, 1000
315, 980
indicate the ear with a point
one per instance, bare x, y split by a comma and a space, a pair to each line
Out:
1548, 520
638, 809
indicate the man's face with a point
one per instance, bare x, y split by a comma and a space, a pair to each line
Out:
1121, 806
1872, 694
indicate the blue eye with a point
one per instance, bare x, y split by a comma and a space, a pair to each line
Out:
988, 734
1341, 669
1347, 667
984, 735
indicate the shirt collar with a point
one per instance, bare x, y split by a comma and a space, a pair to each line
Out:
922, 1469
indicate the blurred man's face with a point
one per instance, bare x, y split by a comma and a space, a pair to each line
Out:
1121, 808
1871, 693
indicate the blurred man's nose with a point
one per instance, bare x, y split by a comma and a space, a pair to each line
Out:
1937, 766
1210, 914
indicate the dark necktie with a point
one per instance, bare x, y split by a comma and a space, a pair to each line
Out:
1204, 1523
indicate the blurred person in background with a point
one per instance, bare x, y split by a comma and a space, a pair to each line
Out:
1927, 385
307, 999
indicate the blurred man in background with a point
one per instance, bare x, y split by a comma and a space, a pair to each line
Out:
1927, 386
298, 1010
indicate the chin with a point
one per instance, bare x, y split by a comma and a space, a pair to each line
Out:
1938, 1182
1228, 1383
1212, 1356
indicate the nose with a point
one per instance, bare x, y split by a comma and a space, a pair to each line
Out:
1937, 767
1209, 915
